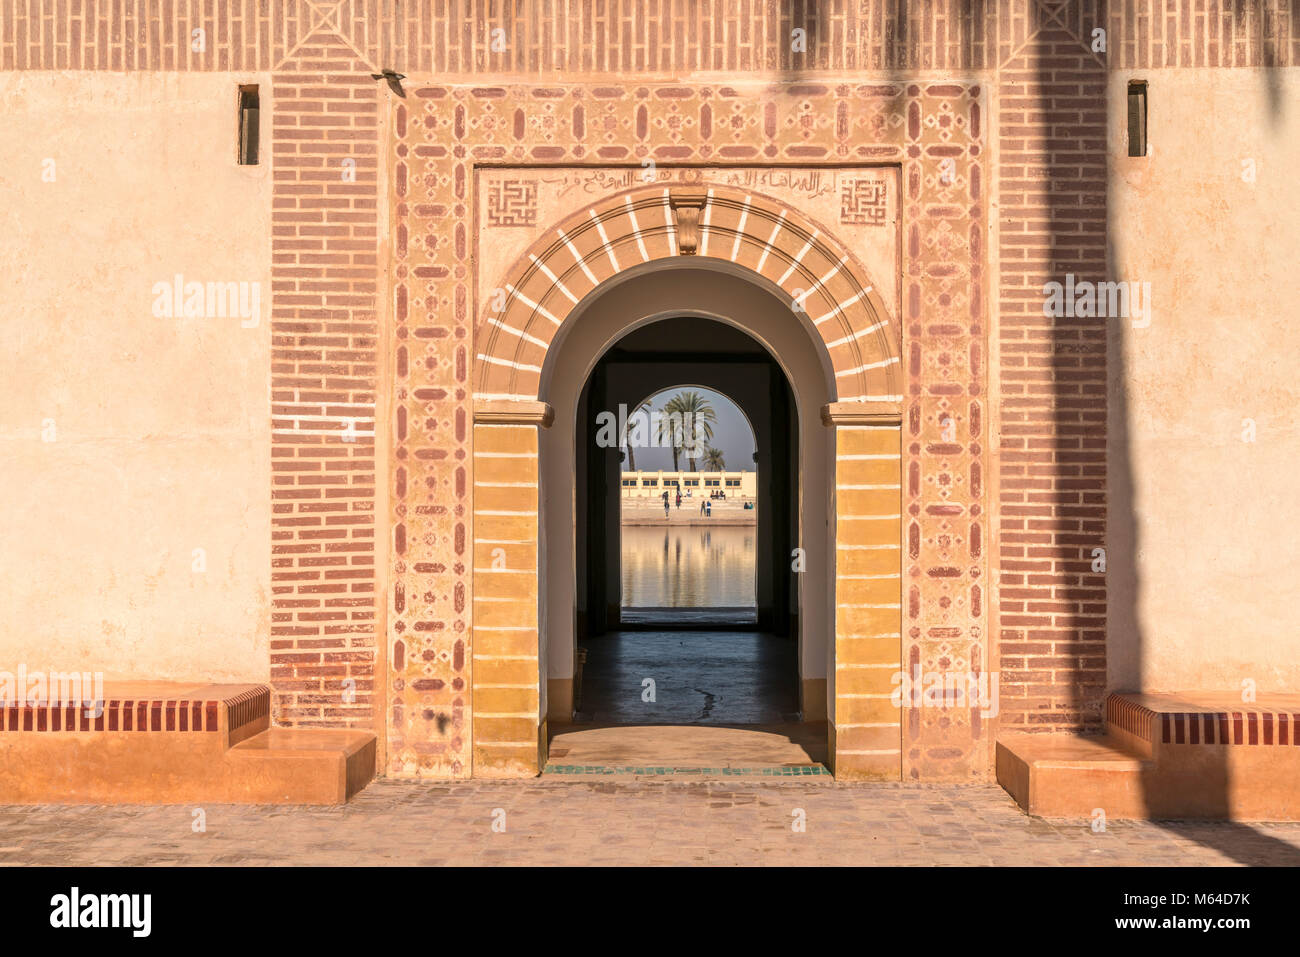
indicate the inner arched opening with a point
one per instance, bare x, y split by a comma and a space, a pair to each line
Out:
688, 515
606, 664
685, 569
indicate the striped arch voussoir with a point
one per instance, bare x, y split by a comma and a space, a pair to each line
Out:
819, 277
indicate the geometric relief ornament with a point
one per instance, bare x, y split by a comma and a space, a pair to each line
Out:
512, 203
448, 347
944, 488
863, 202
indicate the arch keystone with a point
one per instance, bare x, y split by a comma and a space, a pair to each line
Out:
687, 203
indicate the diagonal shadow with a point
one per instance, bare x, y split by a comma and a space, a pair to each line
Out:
1085, 240
1091, 460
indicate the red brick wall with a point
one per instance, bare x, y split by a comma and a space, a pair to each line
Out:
1052, 455
549, 37
325, 248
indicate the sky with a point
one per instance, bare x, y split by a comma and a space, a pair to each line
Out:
731, 434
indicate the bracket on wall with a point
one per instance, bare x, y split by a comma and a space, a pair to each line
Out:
879, 414
687, 203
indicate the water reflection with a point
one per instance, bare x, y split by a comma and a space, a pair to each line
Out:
687, 566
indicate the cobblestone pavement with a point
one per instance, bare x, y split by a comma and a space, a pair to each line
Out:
637, 822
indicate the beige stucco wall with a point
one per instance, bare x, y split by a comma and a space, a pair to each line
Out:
1211, 597
161, 441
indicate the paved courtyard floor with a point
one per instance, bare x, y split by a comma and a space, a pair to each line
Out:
628, 821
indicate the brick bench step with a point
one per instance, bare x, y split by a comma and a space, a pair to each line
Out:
1171, 755
303, 765
1205, 718
236, 711
158, 742
1056, 775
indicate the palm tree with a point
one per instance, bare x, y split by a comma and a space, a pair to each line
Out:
714, 460
697, 417
668, 431
644, 407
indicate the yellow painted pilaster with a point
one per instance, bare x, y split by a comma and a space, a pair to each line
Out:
866, 729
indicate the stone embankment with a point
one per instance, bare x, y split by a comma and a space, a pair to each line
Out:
650, 511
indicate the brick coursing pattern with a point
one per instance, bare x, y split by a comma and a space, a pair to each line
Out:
1230, 728
137, 714
1130, 717
552, 37
1052, 457
116, 715
636, 226
248, 707
1246, 726
325, 257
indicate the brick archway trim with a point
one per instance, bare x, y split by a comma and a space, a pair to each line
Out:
819, 276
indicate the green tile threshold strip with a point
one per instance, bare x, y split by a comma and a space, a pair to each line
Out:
792, 771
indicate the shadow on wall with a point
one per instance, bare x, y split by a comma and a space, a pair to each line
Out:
1236, 840
1090, 471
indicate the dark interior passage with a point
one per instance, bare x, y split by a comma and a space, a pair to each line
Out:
699, 677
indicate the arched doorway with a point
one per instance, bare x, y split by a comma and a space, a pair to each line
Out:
635, 305
737, 259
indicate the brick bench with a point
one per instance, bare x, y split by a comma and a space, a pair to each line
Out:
175, 743
1193, 755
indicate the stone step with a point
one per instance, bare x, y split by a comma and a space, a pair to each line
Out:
302, 766
1057, 775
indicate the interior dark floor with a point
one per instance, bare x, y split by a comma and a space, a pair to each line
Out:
700, 677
